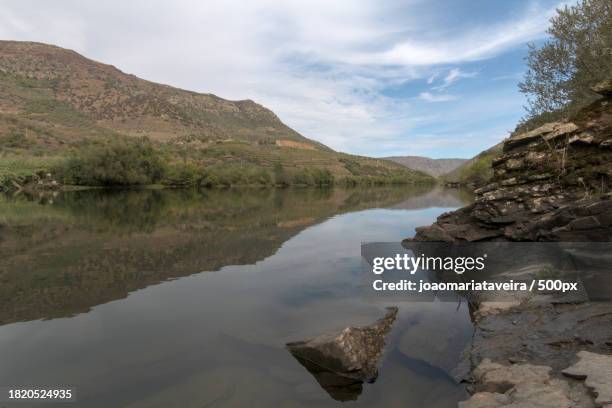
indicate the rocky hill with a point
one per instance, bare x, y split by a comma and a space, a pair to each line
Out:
433, 167
41, 80
56, 104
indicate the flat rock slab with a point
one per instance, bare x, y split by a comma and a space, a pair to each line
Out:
549, 335
524, 385
596, 370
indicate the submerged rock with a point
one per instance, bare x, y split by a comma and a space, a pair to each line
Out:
342, 361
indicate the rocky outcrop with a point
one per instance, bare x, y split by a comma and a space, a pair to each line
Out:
341, 362
550, 184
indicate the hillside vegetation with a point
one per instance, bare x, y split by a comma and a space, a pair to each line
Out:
476, 171
88, 123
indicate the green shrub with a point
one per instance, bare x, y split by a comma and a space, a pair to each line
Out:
257, 175
227, 175
280, 176
322, 177
182, 175
119, 163
385, 180
302, 178
312, 177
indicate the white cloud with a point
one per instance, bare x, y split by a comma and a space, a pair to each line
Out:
456, 74
322, 66
429, 97
478, 43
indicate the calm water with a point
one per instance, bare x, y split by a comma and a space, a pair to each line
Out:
186, 299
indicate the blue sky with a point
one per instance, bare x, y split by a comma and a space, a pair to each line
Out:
417, 77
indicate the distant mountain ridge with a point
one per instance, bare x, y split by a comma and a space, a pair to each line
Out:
433, 167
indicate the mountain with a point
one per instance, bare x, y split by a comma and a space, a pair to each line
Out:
41, 79
433, 167
55, 103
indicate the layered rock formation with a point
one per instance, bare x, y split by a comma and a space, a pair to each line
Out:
550, 184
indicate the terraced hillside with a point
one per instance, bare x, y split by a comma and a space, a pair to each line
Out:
56, 104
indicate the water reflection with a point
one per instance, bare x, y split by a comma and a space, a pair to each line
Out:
91, 247
339, 387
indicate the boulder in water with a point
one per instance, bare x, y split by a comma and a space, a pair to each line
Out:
342, 361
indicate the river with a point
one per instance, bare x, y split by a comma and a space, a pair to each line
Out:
169, 298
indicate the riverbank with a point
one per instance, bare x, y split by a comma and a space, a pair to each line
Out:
43, 182
19, 173
550, 184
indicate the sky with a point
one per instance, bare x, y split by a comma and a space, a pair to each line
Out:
371, 77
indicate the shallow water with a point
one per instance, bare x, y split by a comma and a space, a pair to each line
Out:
186, 299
